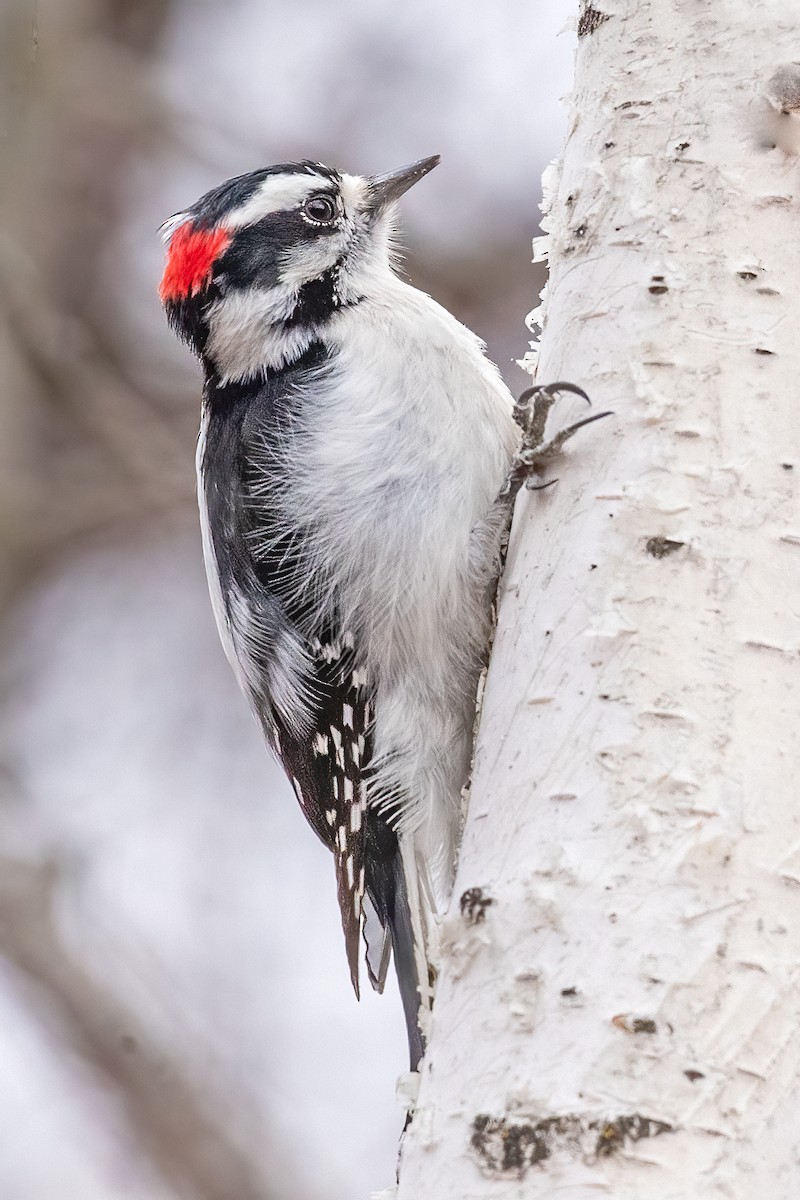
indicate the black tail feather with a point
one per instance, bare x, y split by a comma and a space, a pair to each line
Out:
386, 888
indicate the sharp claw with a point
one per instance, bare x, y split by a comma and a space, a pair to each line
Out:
530, 457
539, 487
563, 386
550, 388
588, 420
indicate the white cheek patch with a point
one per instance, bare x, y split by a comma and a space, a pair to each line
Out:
311, 259
241, 311
247, 332
276, 194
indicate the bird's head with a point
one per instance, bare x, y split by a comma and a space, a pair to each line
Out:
257, 266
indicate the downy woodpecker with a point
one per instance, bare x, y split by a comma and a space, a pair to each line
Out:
357, 462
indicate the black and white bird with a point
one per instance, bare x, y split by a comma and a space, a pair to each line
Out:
357, 461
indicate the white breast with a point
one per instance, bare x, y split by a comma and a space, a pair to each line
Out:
408, 449
406, 446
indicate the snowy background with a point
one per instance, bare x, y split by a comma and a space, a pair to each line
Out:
176, 1019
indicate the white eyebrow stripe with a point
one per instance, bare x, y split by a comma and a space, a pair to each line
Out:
276, 193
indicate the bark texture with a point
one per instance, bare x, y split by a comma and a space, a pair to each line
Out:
617, 1010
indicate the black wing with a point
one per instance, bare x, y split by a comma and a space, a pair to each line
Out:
328, 768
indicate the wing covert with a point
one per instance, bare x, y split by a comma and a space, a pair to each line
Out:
328, 768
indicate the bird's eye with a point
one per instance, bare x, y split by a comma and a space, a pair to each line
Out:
319, 209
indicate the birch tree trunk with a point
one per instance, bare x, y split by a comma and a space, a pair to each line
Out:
618, 1011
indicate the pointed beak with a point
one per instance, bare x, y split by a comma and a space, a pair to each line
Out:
385, 189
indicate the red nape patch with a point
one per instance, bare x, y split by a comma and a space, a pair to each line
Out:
190, 260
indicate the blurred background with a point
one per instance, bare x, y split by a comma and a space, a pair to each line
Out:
176, 1019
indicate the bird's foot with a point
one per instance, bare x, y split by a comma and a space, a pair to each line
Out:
531, 411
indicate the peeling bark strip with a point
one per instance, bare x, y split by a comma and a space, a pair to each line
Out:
591, 19
642, 953
511, 1148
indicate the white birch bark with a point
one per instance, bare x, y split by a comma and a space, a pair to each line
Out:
618, 1011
